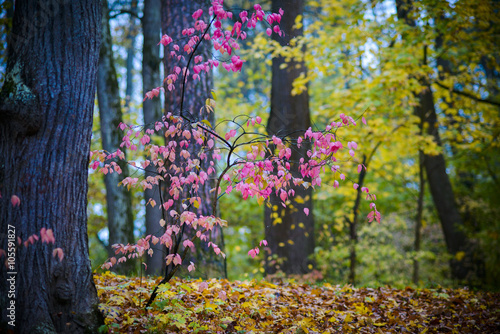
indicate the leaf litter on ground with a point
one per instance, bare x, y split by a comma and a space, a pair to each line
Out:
222, 306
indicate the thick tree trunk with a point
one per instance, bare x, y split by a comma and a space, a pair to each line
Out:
176, 16
118, 199
291, 240
46, 107
151, 26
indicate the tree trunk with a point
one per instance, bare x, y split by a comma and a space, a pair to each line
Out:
437, 177
176, 16
291, 239
418, 218
46, 107
118, 199
353, 225
132, 32
151, 26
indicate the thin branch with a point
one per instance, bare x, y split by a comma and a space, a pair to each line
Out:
470, 96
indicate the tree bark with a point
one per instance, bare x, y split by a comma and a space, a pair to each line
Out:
176, 16
46, 107
132, 32
291, 241
118, 199
151, 26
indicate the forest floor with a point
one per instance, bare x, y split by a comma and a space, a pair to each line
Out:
222, 306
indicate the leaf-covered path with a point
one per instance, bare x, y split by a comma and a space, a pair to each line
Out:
221, 306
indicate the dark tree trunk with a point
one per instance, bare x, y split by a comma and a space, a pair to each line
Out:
151, 26
176, 16
435, 168
132, 32
353, 226
442, 192
291, 240
118, 199
46, 107
418, 218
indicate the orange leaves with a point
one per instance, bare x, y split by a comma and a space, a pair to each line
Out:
228, 307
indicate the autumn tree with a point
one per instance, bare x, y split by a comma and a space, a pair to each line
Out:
188, 100
46, 106
289, 231
118, 199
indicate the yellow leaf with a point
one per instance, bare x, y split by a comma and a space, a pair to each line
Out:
206, 122
460, 255
299, 200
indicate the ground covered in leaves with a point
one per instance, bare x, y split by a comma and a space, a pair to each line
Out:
221, 306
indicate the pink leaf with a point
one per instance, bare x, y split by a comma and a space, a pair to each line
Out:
202, 286
306, 211
222, 295
15, 200
60, 254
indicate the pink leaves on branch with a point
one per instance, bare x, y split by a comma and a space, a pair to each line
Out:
223, 40
248, 163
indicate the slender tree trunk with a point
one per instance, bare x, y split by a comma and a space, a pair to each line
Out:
118, 199
435, 167
291, 237
46, 107
151, 26
176, 16
353, 226
418, 218
132, 32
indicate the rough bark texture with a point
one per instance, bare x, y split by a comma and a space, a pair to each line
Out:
151, 27
437, 177
118, 199
176, 16
291, 241
46, 107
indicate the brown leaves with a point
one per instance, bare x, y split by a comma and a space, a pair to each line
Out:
230, 307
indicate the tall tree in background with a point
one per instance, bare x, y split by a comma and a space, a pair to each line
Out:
46, 107
118, 199
289, 231
131, 37
188, 100
151, 27
435, 167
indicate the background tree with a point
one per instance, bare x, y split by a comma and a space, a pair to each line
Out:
118, 199
289, 231
46, 106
